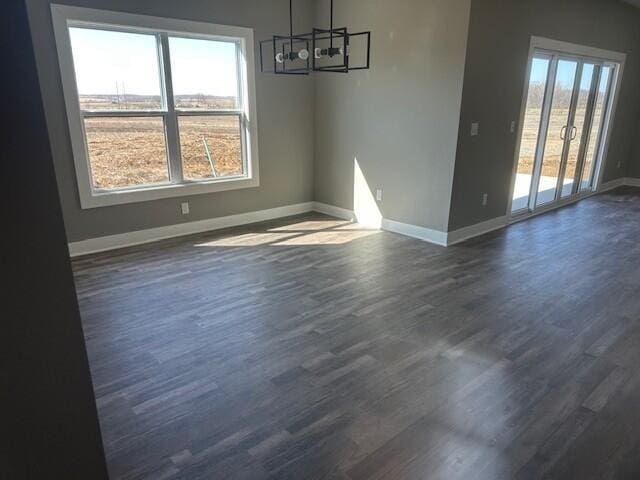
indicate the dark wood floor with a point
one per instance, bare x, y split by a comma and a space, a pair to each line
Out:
307, 348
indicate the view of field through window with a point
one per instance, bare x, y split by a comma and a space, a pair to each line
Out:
210, 146
128, 151
562, 91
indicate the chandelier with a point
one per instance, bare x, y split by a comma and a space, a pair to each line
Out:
321, 50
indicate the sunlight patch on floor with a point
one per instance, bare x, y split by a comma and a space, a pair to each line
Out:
310, 232
248, 239
334, 237
311, 225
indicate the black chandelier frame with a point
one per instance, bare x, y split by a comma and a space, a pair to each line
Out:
289, 46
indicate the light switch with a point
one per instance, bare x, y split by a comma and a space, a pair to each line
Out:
475, 129
185, 208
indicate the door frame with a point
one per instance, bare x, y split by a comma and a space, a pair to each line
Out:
545, 46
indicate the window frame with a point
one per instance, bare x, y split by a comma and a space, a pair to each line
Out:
162, 28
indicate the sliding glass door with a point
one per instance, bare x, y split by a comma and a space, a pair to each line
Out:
566, 109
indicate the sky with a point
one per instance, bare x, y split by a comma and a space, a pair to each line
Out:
104, 58
566, 74
539, 69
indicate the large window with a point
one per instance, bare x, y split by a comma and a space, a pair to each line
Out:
157, 107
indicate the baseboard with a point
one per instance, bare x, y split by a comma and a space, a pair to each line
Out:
618, 182
113, 242
421, 233
632, 182
334, 211
462, 234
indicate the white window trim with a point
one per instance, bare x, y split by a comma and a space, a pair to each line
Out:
91, 198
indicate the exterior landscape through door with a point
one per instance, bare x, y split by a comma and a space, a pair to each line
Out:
567, 110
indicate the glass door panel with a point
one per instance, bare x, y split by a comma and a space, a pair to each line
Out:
599, 110
557, 131
530, 132
577, 130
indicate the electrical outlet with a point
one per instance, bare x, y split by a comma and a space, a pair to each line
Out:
379, 195
475, 129
513, 126
185, 208
485, 199
619, 164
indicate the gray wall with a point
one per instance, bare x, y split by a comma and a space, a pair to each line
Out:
284, 105
499, 35
633, 168
399, 119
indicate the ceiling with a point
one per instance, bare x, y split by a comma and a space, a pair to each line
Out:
633, 2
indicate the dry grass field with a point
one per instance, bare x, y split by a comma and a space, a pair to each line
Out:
132, 151
553, 147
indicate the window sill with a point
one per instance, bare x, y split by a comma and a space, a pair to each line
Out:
120, 197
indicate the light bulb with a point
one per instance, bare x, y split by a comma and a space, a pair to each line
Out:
279, 57
303, 54
317, 53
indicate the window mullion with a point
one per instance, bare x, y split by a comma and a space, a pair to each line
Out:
240, 79
121, 113
219, 113
171, 119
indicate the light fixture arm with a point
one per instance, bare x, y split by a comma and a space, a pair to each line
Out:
291, 25
331, 28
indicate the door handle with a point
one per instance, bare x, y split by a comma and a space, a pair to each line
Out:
563, 131
574, 133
